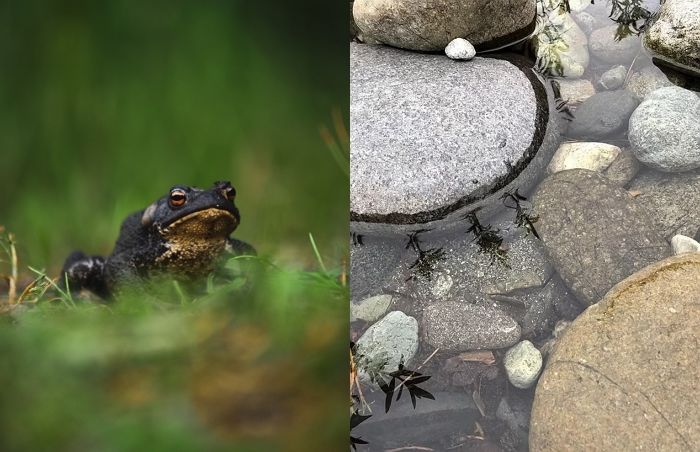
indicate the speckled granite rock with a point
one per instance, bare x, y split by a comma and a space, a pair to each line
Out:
454, 326
431, 24
594, 233
432, 139
664, 130
625, 374
675, 35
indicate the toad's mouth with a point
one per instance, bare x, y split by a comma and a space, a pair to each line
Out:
211, 223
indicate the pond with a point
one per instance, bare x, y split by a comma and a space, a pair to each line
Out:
499, 201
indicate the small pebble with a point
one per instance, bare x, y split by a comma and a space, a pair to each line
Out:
460, 49
682, 244
613, 78
523, 363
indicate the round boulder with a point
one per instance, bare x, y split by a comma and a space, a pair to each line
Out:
675, 36
624, 376
431, 24
664, 130
432, 139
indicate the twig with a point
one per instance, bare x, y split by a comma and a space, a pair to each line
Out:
12, 294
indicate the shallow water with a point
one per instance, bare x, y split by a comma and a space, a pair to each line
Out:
486, 261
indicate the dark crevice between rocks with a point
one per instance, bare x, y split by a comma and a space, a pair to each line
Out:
541, 122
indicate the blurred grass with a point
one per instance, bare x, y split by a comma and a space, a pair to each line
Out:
249, 365
105, 105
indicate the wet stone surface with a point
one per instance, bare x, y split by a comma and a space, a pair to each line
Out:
595, 234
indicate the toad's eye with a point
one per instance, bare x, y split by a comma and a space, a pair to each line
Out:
177, 197
230, 193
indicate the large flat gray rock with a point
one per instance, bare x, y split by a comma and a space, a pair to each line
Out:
432, 138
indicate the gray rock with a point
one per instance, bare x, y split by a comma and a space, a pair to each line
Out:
647, 80
442, 286
664, 130
431, 139
602, 115
460, 49
574, 92
671, 201
540, 309
623, 169
586, 21
675, 35
449, 414
386, 343
476, 275
370, 309
630, 360
593, 232
430, 25
682, 244
604, 45
372, 265
561, 47
583, 155
618, 165
452, 326
523, 363
613, 78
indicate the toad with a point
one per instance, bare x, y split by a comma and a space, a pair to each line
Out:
183, 234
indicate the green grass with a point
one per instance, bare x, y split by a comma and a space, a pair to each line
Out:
248, 364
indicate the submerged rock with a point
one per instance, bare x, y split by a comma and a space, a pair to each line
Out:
671, 200
432, 140
387, 343
452, 326
674, 37
605, 46
625, 373
613, 78
574, 92
602, 115
594, 233
618, 165
561, 46
664, 130
431, 24
647, 80
523, 363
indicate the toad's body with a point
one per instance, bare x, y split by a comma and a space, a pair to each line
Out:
182, 234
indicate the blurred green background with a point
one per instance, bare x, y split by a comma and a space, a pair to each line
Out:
105, 105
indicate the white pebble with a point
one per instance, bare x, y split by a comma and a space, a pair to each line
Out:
523, 363
460, 49
682, 244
